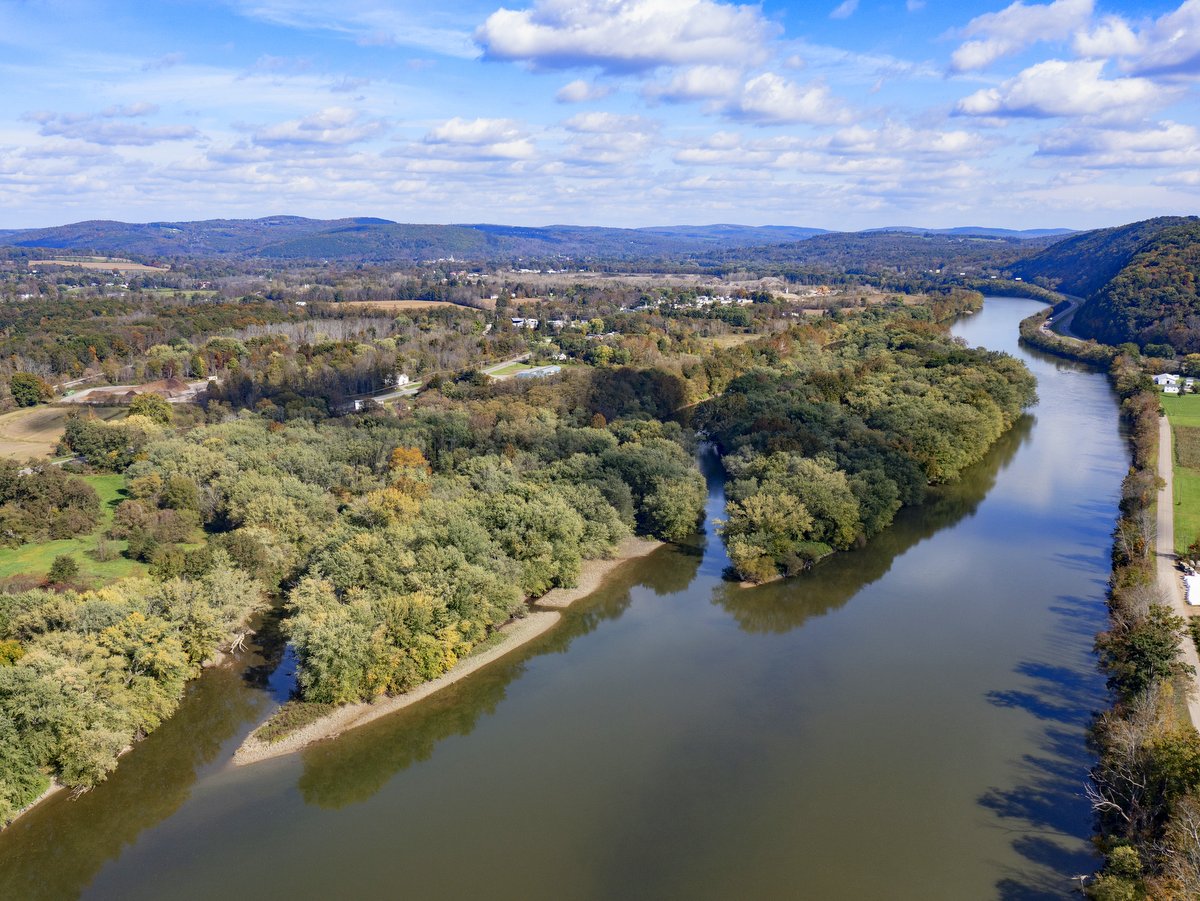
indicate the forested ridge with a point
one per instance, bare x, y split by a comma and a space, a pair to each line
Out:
1155, 298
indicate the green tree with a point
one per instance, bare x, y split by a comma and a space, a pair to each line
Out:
153, 407
28, 390
65, 568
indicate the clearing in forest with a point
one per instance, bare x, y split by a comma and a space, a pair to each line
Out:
34, 431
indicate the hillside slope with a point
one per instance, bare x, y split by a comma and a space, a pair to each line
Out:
1153, 298
1083, 263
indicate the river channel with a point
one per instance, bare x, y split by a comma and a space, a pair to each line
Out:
902, 722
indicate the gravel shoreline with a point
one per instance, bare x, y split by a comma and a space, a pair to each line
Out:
516, 633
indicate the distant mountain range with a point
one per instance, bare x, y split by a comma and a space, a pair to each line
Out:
381, 240
972, 231
367, 239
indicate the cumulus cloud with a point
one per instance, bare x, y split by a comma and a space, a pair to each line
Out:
502, 139
999, 34
771, 99
1168, 144
335, 126
697, 83
1058, 88
105, 128
895, 139
580, 91
625, 35
1112, 37
607, 123
1166, 46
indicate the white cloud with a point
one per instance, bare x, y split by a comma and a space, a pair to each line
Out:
771, 99
1167, 46
697, 83
900, 140
1112, 37
334, 126
1168, 144
1016, 27
580, 91
100, 128
1058, 88
625, 35
482, 139
607, 123
844, 10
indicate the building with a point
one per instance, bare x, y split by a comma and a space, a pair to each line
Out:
539, 372
1167, 380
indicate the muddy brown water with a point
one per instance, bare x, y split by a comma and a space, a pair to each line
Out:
903, 722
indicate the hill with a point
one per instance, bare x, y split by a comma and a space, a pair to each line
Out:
978, 231
1153, 299
1083, 263
381, 240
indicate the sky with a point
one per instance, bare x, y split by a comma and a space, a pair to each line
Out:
830, 114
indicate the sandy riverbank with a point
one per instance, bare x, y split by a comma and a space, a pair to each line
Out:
516, 633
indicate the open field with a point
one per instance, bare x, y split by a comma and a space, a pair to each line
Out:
34, 432
508, 369
35, 559
391, 305
102, 265
729, 340
1183, 412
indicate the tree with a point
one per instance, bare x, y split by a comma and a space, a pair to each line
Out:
28, 390
151, 406
64, 569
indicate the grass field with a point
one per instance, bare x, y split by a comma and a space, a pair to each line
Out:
1184, 414
35, 559
390, 305
508, 369
103, 265
35, 431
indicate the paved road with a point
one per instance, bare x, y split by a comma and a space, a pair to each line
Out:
1169, 578
1062, 324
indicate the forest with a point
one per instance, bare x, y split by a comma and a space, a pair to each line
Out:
823, 448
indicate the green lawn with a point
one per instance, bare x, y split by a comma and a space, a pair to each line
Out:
35, 559
1184, 410
509, 369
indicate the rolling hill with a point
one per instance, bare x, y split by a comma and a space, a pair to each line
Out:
380, 240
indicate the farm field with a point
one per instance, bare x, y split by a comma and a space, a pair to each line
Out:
1183, 412
400, 304
35, 559
102, 265
34, 432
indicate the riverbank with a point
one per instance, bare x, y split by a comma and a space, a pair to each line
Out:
515, 634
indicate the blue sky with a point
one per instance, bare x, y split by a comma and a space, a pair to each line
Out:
842, 115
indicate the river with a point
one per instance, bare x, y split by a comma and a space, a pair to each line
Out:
902, 722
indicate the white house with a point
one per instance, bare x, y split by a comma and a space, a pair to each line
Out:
1170, 389
1165, 380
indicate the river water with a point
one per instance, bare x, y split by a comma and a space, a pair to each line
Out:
903, 722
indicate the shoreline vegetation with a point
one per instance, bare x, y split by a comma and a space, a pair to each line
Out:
1145, 787
544, 616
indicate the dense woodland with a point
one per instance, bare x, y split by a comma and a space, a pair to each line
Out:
849, 425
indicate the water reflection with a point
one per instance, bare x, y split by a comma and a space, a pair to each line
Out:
363, 760
787, 604
56, 851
